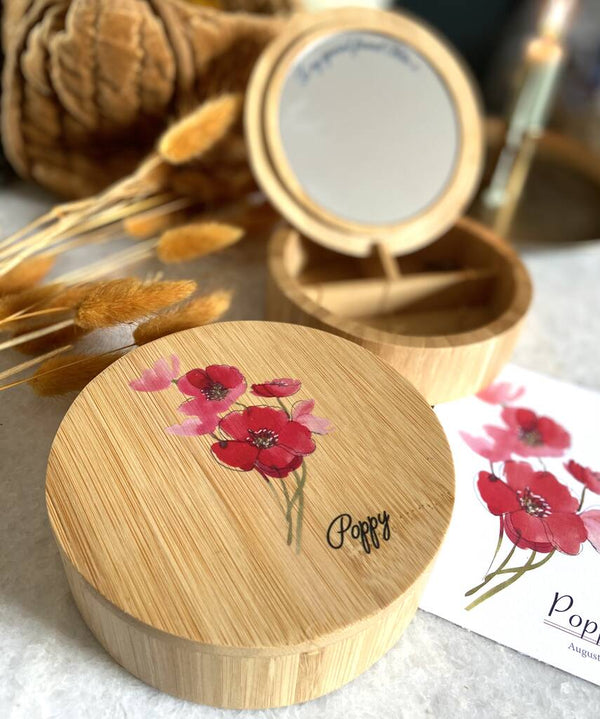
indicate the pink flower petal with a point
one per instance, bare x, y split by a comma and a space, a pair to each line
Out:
501, 393
498, 451
194, 426
157, 378
317, 425
591, 520
302, 413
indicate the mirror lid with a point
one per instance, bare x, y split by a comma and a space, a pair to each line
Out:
440, 129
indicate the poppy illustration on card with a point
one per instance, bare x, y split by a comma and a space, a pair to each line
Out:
524, 485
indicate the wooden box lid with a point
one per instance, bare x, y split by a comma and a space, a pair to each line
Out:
170, 480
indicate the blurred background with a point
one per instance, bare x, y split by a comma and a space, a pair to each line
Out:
561, 164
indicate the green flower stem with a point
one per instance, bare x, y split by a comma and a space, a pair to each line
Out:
582, 498
510, 570
286, 495
489, 577
288, 512
274, 493
283, 407
499, 587
299, 484
300, 481
500, 537
290, 501
299, 523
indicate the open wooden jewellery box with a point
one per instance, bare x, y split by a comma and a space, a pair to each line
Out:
247, 512
364, 130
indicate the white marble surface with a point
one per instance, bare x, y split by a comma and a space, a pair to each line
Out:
51, 666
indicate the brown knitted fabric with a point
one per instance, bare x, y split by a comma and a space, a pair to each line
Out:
88, 85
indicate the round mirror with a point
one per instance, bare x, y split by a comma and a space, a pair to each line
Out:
363, 128
368, 128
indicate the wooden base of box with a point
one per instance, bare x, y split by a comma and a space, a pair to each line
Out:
238, 680
450, 342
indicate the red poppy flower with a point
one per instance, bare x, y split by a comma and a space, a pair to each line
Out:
584, 475
537, 511
265, 439
529, 435
214, 389
282, 387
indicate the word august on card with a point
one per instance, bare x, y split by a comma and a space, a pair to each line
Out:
366, 530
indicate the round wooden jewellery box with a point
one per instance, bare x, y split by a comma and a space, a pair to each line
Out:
247, 512
364, 130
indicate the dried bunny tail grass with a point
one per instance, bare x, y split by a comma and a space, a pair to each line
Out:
67, 335
73, 296
196, 184
188, 242
127, 300
59, 303
18, 369
195, 313
26, 274
149, 224
153, 221
151, 177
22, 301
69, 373
200, 130
252, 215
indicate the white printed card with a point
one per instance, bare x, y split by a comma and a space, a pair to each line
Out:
521, 563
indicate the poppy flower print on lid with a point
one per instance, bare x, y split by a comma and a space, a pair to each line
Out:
272, 441
282, 387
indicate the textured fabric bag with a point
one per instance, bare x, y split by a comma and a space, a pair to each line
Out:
88, 85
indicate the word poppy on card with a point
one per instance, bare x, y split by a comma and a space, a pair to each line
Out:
282, 387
